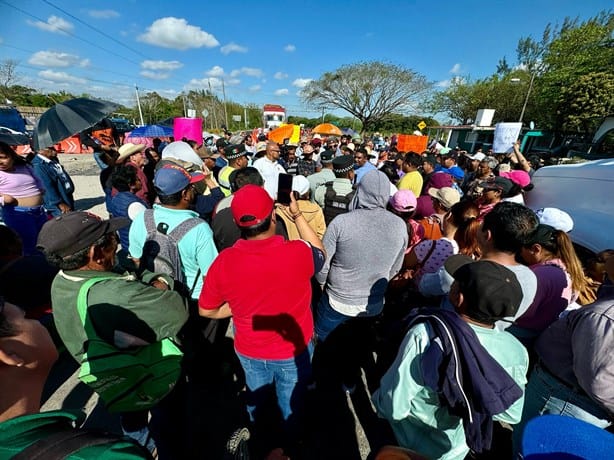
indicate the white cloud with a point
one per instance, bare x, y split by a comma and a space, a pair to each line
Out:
233, 48
53, 24
203, 83
161, 65
456, 68
281, 92
53, 59
176, 33
154, 75
216, 83
255, 88
301, 82
447, 83
290, 48
249, 71
215, 71
103, 14
85, 63
60, 77
280, 75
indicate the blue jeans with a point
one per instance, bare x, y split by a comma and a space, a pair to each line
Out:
289, 377
327, 318
546, 394
27, 221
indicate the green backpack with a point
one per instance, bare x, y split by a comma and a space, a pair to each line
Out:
126, 379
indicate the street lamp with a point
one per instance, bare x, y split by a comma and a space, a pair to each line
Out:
526, 99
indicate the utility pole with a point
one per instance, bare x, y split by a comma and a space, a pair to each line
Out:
212, 105
526, 100
138, 103
245, 116
225, 109
185, 113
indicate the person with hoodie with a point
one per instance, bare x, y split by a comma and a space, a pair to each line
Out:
364, 250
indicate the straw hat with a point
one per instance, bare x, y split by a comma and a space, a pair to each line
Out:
129, 149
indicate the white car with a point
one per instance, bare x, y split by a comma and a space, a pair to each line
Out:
586, 192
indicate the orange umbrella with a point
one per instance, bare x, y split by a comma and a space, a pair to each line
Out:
328, 129
283, 132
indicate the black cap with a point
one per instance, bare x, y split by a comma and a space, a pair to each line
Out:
234, 151
491, 291
343, 163
543, 234
327, 156
221, 143
430, 159
497, 183
70, 233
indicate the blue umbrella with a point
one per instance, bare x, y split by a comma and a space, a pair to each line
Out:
349, 131
152, 131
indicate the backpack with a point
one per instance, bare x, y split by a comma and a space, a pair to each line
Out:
432, 227
65, 442
126, 379
161, 251
335, 204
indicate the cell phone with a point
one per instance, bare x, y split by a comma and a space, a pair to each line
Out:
284, 188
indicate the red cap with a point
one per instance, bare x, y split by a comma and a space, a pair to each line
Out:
251, 205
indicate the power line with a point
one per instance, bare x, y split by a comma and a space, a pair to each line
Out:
97, 30
89, 67
68, 32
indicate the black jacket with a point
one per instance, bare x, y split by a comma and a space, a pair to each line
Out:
469, 381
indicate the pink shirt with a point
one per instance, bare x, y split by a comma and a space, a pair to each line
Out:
20, 183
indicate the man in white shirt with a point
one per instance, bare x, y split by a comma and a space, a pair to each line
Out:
269, 168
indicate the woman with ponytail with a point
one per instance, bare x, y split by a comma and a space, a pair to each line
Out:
460, 229
560, 280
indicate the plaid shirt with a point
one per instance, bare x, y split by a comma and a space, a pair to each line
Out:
306, 168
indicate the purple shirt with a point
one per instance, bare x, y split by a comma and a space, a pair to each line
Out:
553, 295
20, 183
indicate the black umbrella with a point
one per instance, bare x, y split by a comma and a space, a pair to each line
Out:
69, 118
13, 138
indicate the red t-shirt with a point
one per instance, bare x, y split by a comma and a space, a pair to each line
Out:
267, 285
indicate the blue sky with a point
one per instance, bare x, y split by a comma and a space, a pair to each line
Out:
264, 51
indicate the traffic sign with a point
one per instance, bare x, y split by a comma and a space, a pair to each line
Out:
421, 125
205, 113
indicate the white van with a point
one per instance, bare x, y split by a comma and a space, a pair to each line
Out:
586, 192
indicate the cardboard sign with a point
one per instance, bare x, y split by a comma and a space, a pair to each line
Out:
505, 136
412, 143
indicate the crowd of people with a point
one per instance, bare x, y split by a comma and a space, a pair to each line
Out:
418, 279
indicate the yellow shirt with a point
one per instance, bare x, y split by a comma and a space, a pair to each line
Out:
411, 181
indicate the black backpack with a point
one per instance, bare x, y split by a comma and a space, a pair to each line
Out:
335, 204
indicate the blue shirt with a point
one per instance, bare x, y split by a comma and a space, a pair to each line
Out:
364, 169
196, 248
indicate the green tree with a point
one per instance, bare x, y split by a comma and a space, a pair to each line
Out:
576, 51
503, 93
587, 99
369, 91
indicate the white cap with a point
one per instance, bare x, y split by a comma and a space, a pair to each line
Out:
300, 184
479, 156
556, 218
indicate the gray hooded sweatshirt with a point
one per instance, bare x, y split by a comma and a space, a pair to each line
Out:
364, 249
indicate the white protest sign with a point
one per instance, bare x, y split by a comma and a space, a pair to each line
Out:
505, 136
